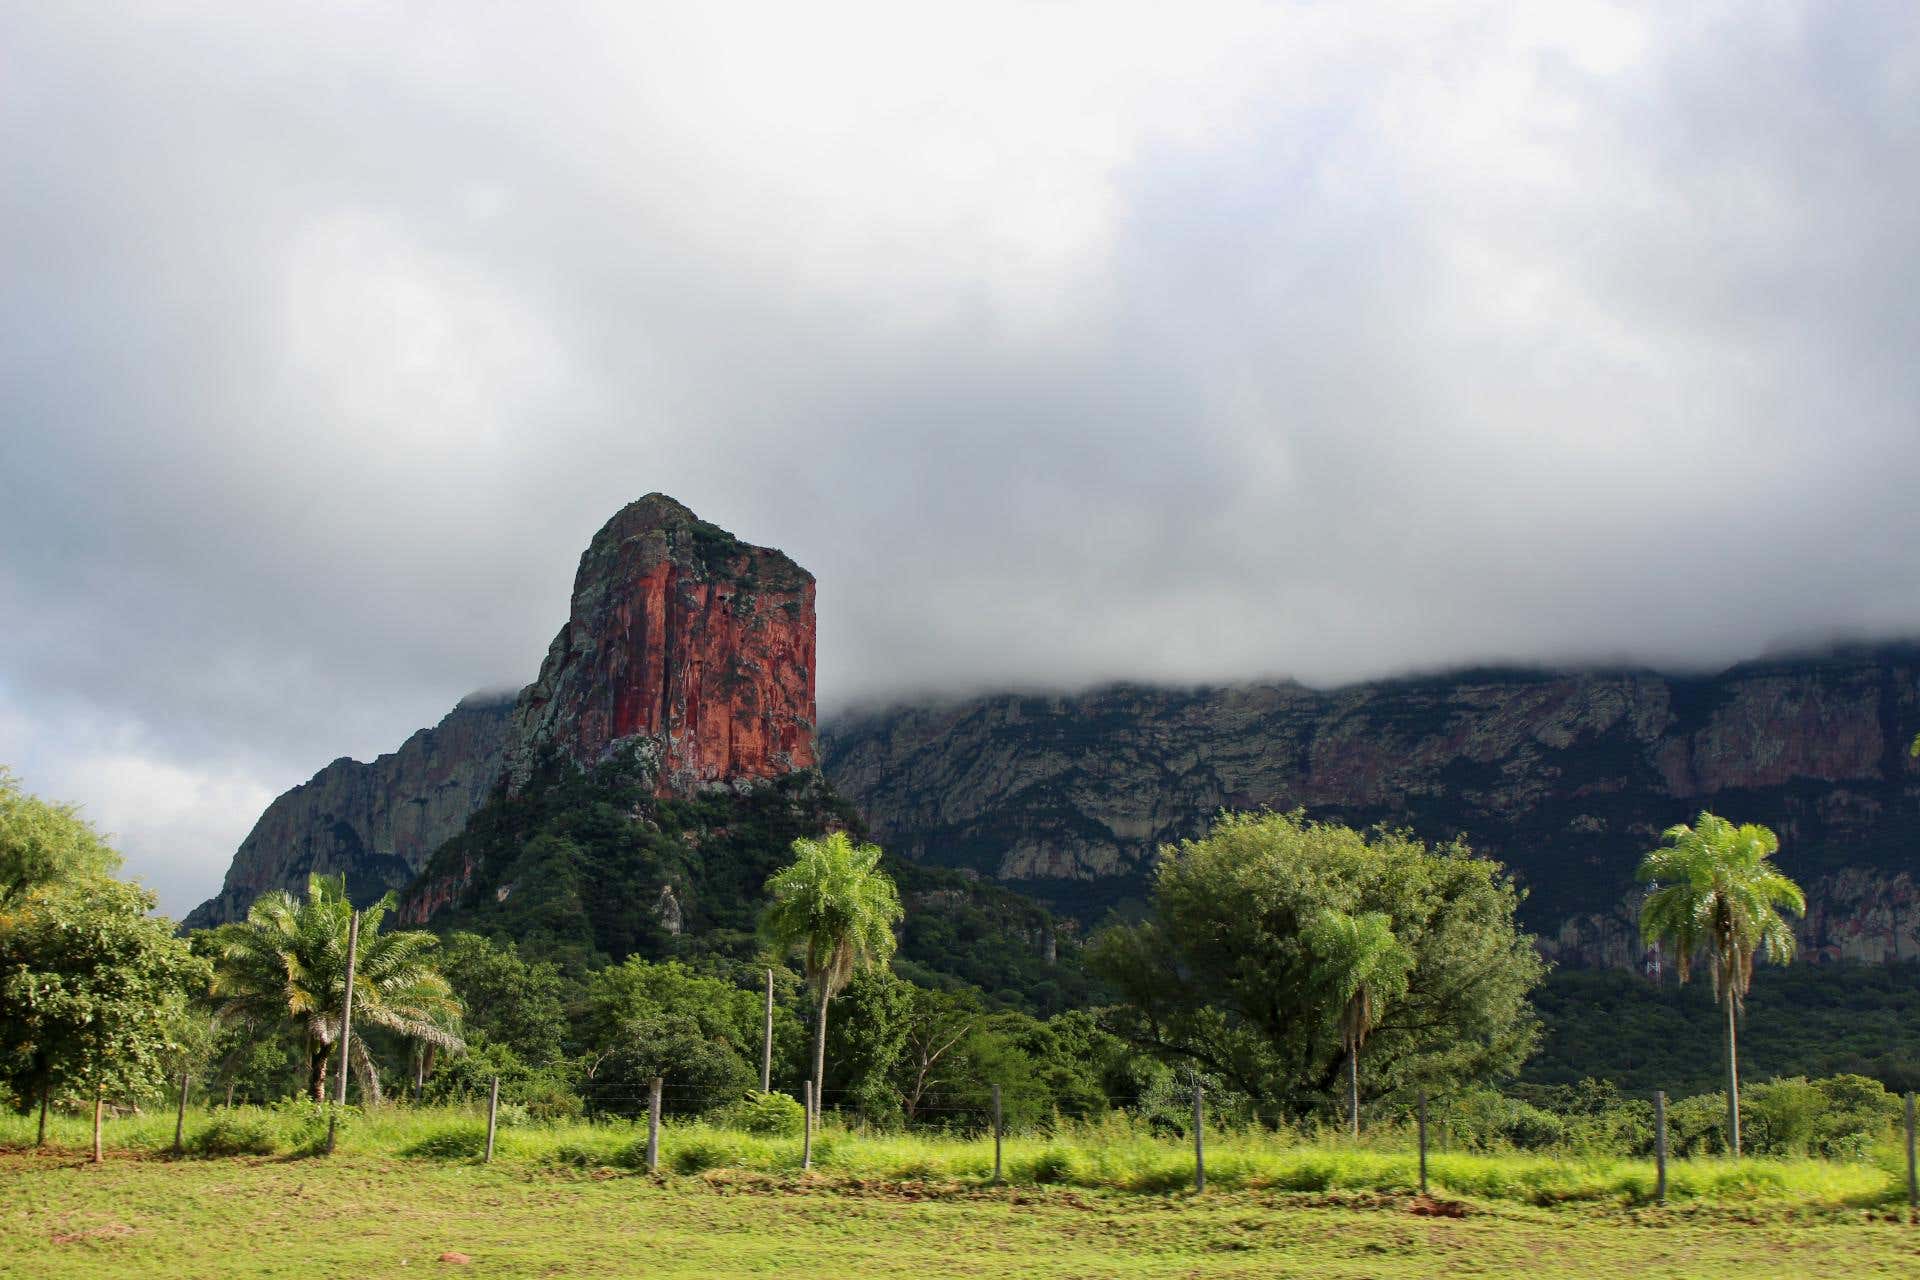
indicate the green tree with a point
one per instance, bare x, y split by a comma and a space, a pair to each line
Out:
836, 908
1715, 892
507, 998
933, 1057
1222, 977
287, 962
92, 987
94, 990
701, 1072
865, 1043
637, 989
1362, 966
44, 844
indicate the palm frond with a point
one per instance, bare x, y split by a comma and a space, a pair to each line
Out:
1715, 893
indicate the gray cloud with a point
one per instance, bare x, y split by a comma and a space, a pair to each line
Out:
1062, 342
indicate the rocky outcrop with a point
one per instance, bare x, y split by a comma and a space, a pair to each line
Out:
1567, 777
376, 822
684, 640
687, 648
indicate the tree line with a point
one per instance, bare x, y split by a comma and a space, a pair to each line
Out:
1296, 968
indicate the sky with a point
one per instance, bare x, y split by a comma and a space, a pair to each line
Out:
1063, 342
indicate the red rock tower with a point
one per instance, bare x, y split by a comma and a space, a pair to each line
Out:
685, 642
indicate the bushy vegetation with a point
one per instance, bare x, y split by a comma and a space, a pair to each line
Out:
1804, 1019
1278, 952
1225, 974
1119, 1152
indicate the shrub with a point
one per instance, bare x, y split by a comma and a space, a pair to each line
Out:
1531, 1129
462, 1143
236, 1133
548, 1100
1482, 1120
1697, 1126
773, 1114
1055, 1164
303, 1123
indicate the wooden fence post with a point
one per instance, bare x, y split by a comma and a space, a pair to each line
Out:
346, 1029
653, 1125
1423, 1142
1913, 1175
806, 1141
1660, 1145
766, 1041
997, 1130
493, 1111
1199, 1139
180, 1116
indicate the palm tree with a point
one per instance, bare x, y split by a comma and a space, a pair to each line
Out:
1364, 966
1715, 892
836, 908
288, 959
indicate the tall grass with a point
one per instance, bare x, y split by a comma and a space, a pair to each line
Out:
1115, 1153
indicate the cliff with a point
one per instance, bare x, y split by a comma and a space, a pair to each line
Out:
685, 638
1565, 776
377, 822
686, 649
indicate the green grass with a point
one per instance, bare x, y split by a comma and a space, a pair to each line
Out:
1116, 1155
362, 1215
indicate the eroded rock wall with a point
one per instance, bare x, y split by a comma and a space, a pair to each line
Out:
378, 822
1567, 777
684, 635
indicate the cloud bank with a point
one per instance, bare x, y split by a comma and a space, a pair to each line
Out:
1064, 342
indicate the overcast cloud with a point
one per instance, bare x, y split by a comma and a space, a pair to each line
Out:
1063, 342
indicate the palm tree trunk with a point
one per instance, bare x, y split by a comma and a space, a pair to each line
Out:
1353, 1089
1733, 1083
317, 1073
820, 1050
46, 1098
99, 1103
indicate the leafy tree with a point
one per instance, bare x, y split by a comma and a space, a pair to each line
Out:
507, 999
92, 987
1362, 966
837, 908
94, 990
635, 988
704, 1072
1714, 891
866, 1043
933, 1057
44, 844
1221, 976
287, 962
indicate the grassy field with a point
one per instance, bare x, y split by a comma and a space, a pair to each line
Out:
405, 1187
357, 1215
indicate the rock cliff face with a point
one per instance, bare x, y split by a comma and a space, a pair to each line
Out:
683, 636
377, 822
686, 647
1567, 777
